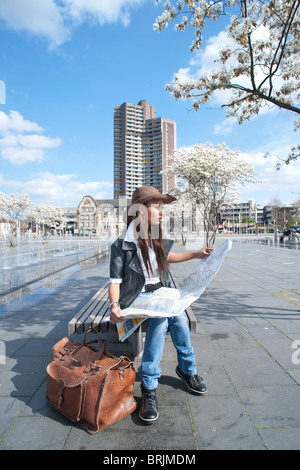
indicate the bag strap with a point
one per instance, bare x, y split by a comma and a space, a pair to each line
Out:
99, 340
110, 329
102, 343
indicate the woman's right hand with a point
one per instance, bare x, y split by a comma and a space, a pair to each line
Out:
116, 314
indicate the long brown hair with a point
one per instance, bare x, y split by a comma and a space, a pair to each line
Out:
157, 244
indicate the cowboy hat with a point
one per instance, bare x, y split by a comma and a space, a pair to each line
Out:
145, 194
141, 196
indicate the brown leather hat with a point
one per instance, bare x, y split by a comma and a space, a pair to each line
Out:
145, 194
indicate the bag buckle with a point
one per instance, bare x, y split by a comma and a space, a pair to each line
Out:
77, 363
93, 367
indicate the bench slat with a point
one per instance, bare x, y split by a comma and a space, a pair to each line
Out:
101, 314
100, 309
87, 309
98, 313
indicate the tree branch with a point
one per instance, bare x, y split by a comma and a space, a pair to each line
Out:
259, 94
283, 39
252, 75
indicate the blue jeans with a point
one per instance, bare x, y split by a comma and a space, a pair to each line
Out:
154, 345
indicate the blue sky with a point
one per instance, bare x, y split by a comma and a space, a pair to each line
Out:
65, 69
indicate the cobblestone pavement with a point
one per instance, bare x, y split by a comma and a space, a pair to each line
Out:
247, 347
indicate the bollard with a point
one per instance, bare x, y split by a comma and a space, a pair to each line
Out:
138, 342
2, 352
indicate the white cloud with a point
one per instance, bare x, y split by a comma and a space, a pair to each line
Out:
184, 74
104, 11
15, 122
225, 127
284, 182
55, 19
38, 141
20, 156
39, 17
62, 190
18, 147
205, 59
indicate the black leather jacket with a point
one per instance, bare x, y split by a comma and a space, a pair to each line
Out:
125, 264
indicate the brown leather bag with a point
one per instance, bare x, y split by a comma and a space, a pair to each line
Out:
90, 386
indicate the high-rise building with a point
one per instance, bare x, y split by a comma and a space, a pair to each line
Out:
142, 144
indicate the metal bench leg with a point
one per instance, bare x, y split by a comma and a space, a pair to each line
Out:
138, 341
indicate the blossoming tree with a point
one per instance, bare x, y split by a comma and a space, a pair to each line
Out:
19, 207
259, 65
15, 207
296, 208
210, 177
47, 215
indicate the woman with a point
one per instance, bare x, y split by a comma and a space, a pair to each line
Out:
139, 264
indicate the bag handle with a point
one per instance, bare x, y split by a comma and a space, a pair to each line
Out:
102, 344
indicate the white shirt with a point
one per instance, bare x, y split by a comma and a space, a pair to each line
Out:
149, 279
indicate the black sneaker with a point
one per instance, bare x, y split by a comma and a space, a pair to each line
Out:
148, 409
192, 382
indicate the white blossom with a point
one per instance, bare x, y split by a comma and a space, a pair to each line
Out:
259, 66
15, 207
210, 177
45, 214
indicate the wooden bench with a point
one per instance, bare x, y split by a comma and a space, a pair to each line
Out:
92, 313
95, 314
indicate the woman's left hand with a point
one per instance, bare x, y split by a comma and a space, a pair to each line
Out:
203, 253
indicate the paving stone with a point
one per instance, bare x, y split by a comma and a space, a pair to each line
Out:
22, 376
280, 349
10, 408
273, 405
221, 423
173, 431
252, 367
281, 438
36, 434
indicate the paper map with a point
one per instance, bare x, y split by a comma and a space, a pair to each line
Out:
168, 302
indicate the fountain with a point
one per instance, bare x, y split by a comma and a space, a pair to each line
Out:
35, 256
